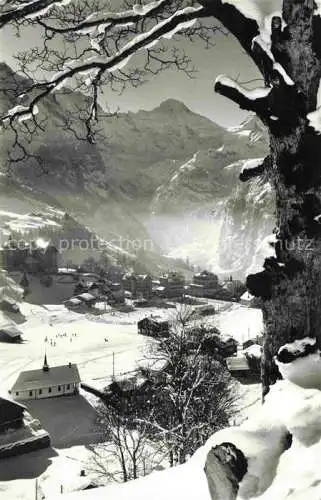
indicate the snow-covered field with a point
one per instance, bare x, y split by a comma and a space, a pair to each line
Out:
77, 338
281, 445
88, 348
94, 355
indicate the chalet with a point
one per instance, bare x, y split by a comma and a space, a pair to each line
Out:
234, 287
94, 288
73, 303
247, 299
205, 284
153, 328
47, 382
10, 334
87, 298
258, 340
141, 303
196, 290
117, 297
207, 279
172, 285
238, 365
247, 363
253, 351
11, 414
114, 273
140, 285
213, 343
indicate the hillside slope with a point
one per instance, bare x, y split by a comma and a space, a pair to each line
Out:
150, 174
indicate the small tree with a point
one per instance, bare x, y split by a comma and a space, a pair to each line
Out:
128, 452
192, 396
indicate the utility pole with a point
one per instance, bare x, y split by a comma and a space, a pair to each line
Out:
36, 489
113, 365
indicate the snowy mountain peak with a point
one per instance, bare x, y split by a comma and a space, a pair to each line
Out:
171, 105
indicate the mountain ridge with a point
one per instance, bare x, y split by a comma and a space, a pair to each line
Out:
167, 160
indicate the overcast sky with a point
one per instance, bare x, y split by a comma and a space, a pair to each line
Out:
225, 57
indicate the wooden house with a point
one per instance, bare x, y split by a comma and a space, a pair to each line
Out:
153, 328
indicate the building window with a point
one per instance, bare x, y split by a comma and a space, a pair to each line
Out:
17, 393
30, 393
49, 390
68, 386
59, 388
40, 391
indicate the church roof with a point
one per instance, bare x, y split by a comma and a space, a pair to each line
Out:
39, 379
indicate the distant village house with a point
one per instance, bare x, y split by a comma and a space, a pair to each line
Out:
205, 284
153, 328
139, 285
172, 285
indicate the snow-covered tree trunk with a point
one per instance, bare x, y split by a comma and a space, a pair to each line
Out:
290, 282
283, 39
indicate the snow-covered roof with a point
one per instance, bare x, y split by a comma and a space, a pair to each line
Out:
247, 296
254, 351
86, 296
74, 301
66, 270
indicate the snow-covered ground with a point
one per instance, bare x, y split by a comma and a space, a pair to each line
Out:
60, 472
281, 445
94, 355
44, 331
88, 348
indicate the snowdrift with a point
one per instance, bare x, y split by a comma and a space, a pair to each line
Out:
274, 455
30, 437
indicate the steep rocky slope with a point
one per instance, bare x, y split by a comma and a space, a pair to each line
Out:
150, 174
247, 220
215, 220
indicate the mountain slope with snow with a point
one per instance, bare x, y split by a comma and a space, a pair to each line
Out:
205, 214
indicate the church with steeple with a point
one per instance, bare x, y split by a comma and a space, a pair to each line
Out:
46, 382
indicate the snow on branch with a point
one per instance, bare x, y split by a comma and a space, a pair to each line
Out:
270, 67
314, 117
180, 20
244, 28
254, 168
106, 20
318, 7
250, 100
29, 10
